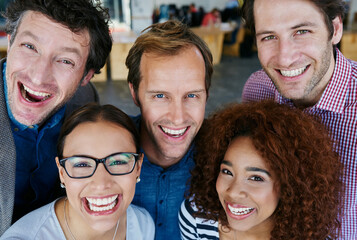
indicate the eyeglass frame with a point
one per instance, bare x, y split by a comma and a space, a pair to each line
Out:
101, 160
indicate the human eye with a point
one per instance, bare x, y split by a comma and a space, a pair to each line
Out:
256, 178
160, 95
81, 162
191, 95
119, 159
267, 38
29, 46
66, 61
301, 32
226, 172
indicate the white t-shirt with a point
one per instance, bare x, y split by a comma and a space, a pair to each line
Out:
43, 224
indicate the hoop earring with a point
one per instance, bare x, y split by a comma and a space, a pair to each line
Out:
62, 185
138, 179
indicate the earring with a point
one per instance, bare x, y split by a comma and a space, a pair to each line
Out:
138, 179
62, 185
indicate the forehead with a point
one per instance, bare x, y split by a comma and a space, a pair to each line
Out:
187, 67
242, 152
45, 28
283, 13
98, 139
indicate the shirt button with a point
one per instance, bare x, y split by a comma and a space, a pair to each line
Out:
30, 126
16, 129
161, 201
160, 224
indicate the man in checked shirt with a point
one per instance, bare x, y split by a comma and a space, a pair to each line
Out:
302, 67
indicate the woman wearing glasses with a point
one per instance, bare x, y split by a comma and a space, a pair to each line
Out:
263, 171
99, 165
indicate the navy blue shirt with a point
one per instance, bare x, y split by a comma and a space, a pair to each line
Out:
161, 192
36, 170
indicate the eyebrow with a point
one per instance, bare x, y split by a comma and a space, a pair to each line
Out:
160, 91
304, 24
249, 169
255, 169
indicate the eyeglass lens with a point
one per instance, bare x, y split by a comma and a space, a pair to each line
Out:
120, 163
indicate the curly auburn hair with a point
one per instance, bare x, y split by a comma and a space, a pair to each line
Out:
296, 148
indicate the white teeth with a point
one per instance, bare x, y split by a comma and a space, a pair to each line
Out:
101, 201
293, 73
174, 132
239, 211
101, 209
39, 94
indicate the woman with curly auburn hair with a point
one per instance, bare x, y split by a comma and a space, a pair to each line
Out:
263, 171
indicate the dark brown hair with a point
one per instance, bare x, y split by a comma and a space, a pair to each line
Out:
93, 112
329, 8
168, 38
298, 151
77, 15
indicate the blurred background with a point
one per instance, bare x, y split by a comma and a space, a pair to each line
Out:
217, 22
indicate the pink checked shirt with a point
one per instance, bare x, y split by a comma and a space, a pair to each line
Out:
338, 111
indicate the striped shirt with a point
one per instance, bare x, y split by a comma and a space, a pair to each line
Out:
337, 109
196, 228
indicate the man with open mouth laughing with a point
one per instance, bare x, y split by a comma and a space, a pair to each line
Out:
302, 68
169, 77
53, 48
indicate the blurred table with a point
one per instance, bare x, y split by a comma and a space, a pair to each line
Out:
213, 36
3, 47
115, 68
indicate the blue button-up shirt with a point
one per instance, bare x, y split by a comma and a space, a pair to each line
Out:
161, 192
36, 170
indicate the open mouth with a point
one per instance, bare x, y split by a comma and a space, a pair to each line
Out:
101, 204
239, 211
293, 73
174, 133
33, 96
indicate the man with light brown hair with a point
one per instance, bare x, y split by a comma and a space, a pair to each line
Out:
170, 71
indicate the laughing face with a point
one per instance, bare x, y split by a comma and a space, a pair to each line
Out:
172, 99
294, 47
246, 189
45, 64
100, 200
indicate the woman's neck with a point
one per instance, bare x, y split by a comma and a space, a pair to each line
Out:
81, 230
226, 233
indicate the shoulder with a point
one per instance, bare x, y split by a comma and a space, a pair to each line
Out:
83, 95
139, 223
258, 87
192, 227
41, 223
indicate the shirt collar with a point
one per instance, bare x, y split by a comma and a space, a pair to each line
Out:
54, 120
334, 96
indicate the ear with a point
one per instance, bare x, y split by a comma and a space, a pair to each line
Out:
61, 170
133, 94
87, 77
140, 163
8, 41
338, 30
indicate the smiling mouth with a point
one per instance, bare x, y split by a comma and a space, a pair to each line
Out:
174, 133
33, 96
293, 73
239, 211
102, 204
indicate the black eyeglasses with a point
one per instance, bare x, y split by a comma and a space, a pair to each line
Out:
81, 166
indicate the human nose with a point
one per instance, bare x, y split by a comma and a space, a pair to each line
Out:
237, 189
287, 53
101, 179
40, 70
177, 112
